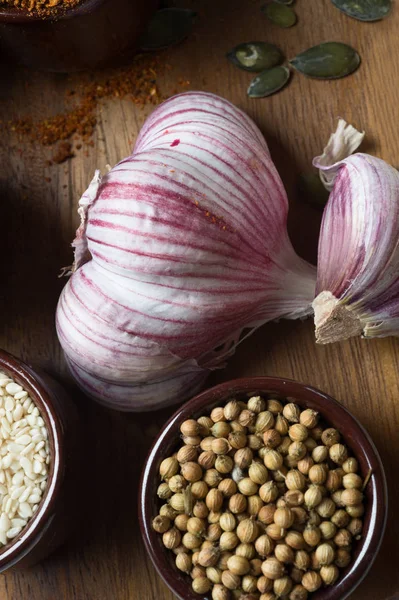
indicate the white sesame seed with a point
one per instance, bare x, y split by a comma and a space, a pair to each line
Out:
13, 532
5, 424
24, 439
25, 510
39, 446
37, 466
31, 420
7, 507
29, 448
18, 522
18, 412
13, 388
25, 494
9, 403
17, 492
3, 537
21, 395
4, 381
22, 432
4, 522
35, 507
35, 498
18, 478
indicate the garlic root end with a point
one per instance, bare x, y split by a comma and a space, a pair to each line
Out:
333, 321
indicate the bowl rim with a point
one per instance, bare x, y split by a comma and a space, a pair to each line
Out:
22, 544
305, 395
21, 15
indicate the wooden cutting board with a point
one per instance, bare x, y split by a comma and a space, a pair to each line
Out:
106, 559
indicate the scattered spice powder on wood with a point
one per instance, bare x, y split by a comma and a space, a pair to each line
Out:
138, 82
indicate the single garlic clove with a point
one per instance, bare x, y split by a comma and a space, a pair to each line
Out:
357, 289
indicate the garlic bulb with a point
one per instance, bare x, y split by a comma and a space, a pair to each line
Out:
182, 246
358, 261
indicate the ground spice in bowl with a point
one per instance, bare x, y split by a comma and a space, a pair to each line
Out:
45, 8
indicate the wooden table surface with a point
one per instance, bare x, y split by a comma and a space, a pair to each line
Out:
106, 559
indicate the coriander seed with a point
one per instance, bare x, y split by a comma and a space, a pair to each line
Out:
201, 585
298, 593
190, 427
246, 418
246, 550
271, 438
258, 473
304, 465
329, 574
177, 483
313, 497
264, 422
302, 560
295, 480
311, 581
247, 531
338, 453
230, 580
208, 557
273, 460
326, 508
328, 530
292, 412
228, 487
191, 471
243, 458
199, 490
355, 527
205, 425
191, 541
298, 432
224, 464
284, 517
186, 454
238, 565
164, 492
247, 487
167, 511
168, 467
281, 425
228, 541
351, 497
320, 454
256, 404
352, 481
284, 553
200, 509
295, 540
268, 492
238, 504
272, 568
264, 584
248, 583
330, 436
213, 532
333, 481
343, 538
227, 522
220, 592
221, 429
172, 538
264, 545
350, 465
161, 524
317, 474
274, 406
342, 558
232, 410
217, 414
309, 418
282, 586
184, 562
237, 440
266, 514
192, 440
275, 532
312, 535
355, 511
325, 554
198, 571
177, 502
297, 450
212, 478
254, 505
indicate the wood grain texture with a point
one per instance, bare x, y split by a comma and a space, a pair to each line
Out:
105, 560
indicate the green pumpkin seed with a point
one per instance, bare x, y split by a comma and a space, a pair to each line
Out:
268, 82
365, 10
168, 26
279, 14
312, 190
327, 61
255, 56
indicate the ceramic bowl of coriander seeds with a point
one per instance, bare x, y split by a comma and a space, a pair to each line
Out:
259, 489
39, 464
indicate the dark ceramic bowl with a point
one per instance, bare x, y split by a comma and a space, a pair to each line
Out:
355, 436
57, 511
96, 33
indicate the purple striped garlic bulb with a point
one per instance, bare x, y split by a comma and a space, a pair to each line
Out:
182, 247
358, 262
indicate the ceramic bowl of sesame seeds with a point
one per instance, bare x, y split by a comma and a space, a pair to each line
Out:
260, 489
39, 458
71, 35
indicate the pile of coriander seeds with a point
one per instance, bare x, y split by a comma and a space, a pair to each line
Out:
24, 458
260, 502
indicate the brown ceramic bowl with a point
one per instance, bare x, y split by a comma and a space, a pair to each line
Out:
56, 513
356, 438
95, 33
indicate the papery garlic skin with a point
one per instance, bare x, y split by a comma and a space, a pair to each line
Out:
358, 259
182, 246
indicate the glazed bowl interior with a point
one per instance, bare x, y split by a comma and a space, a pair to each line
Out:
41, 520
333, 414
